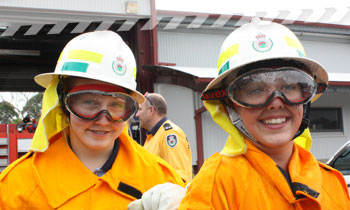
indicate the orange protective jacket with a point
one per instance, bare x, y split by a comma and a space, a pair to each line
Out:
170, 143
253, 181
57, 179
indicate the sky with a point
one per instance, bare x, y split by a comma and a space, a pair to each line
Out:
332, 11
17, 99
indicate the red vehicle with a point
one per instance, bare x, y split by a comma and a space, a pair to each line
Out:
14, 142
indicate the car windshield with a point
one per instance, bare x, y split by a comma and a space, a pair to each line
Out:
342, 163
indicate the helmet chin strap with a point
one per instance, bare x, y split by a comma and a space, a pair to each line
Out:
237, 122
305, 122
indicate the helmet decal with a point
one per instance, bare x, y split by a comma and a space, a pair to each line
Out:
85, 56
295, 44
134, 72
228, 53
75, 66
119, 66
225, 67
262, 44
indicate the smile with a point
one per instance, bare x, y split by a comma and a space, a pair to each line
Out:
275, 121
100, 132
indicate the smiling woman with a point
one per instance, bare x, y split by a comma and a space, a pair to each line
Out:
81, 150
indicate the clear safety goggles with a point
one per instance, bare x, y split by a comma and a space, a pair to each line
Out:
90, 104
257, 88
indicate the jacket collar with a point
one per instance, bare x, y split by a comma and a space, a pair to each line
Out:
51, 168
303, 169
155, 128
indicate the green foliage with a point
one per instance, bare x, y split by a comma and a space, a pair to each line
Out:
33, 107
7, 113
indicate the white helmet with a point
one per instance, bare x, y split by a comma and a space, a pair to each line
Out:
261, 41
266, 42
99, 55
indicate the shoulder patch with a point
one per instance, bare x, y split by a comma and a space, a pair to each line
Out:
171, 140
167, 126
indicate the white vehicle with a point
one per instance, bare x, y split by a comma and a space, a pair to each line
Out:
341, 161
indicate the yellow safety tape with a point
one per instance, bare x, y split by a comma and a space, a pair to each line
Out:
229, 52
84, 55
294, 43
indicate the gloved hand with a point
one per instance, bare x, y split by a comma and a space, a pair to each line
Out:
165, 196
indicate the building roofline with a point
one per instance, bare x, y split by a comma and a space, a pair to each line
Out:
247, 18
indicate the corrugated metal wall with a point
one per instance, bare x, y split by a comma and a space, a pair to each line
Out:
333, 54
191, 50
202, 50
181, 108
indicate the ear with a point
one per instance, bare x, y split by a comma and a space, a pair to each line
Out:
152, 110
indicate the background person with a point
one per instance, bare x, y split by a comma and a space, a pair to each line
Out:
165, 138
81, 156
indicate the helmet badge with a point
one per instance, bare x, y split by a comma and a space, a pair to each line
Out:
119, 66
262, 44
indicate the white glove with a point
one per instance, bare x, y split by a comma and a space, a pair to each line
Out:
165, 196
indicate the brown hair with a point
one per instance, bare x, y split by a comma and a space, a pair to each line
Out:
158, 102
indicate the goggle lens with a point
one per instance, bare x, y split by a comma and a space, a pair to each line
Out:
257, 88
90, 104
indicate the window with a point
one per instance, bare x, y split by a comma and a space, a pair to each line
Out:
326, 120
343, 163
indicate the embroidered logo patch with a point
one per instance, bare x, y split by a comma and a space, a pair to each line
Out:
119, 66
262, 44
171, 140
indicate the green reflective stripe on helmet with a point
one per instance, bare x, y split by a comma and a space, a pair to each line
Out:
85, 56
75, 66
225, 67
228, 53
294, 44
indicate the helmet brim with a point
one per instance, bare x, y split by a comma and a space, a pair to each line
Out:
45, 79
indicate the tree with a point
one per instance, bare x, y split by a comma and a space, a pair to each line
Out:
7, 113
33, 106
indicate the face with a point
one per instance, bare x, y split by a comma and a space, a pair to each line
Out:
144, 114
275, 125
93, 135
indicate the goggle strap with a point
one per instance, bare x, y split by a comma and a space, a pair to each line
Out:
305, 122
100, 87
214, 94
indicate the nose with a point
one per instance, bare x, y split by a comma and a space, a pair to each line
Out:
103, 118
276, 103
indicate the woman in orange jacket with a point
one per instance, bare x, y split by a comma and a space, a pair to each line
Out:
81, 156
269, 84
261, 98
